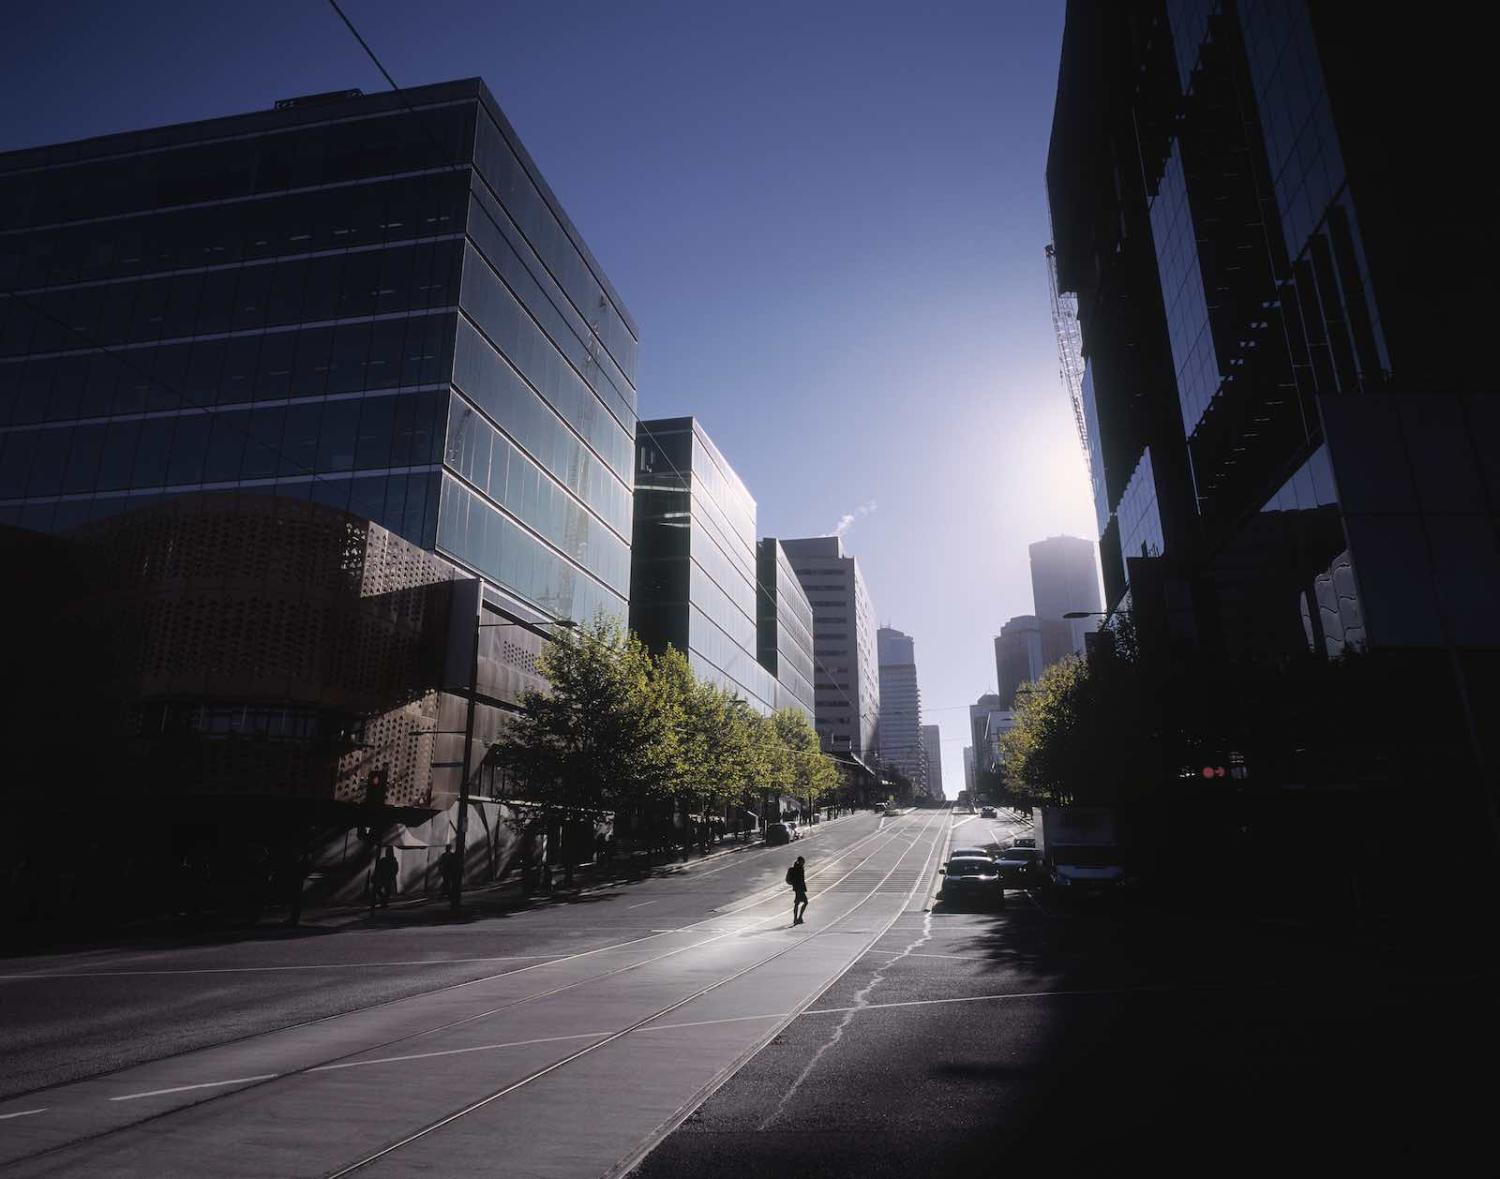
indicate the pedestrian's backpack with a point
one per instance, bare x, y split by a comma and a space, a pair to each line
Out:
791, 872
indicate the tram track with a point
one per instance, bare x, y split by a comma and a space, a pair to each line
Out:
881, 839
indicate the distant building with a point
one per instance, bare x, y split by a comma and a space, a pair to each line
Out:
1065, 580
932, 752
979, 717
996, 724
846, 688
785, 630
1025, 647
969, 770
694, 567
900, 731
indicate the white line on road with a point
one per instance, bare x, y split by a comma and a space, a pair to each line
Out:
407, 1058
265, 969
203, 1085
994, 998
23, 1113
642, 905
329, 1068
963, 957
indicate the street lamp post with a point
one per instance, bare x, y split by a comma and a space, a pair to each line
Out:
461, 833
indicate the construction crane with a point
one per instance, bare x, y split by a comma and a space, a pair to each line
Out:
1069, 345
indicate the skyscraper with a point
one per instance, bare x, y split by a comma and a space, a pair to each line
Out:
847, 685
1065, 580
932, 751
979, 719
1025, 647
695, 570
900, 731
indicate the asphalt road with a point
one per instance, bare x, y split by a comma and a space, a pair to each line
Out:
1094, 1039
554, 1041
679, 1025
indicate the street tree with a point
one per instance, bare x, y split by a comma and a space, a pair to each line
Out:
603, 736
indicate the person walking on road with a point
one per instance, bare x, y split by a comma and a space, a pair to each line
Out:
384, 883
796, 877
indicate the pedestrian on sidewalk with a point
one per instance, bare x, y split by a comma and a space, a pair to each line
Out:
797, 878
383, 884
448, 869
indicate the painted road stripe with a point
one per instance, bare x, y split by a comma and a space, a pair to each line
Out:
265, 969
993, 998
23, 1113
203, 1085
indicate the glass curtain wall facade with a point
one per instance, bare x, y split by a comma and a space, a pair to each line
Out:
371, 302
785, 630
694, 562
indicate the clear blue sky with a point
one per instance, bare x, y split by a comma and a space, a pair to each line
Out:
827, 218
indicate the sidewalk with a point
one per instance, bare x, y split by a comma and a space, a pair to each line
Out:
509, 896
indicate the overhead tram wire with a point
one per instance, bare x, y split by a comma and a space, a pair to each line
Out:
768, 594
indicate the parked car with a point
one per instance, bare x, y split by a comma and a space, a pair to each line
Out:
793, 829
777, 833
879, 808
987, 812
964, 853
972, 880
1020, 867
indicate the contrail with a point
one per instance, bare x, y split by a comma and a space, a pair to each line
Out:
847, 520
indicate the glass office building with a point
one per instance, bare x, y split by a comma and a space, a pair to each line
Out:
1278, 299
693, 578
371, 302
785, 629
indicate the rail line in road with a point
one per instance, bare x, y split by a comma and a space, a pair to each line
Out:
534, 962
881, 839
641, 1023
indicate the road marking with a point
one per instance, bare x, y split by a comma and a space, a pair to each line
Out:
704, 1023
962, 957
203, 1085
994, 998
264, 969
407, 1058
24, 1113
329, 1068
642, 905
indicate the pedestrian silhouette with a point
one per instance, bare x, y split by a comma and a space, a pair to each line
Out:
383, 883
448, 870
796, 877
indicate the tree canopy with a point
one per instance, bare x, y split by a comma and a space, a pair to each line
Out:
620, 727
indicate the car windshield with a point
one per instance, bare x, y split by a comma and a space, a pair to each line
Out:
970, 868
960, 852
1019, 853
1086, 856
